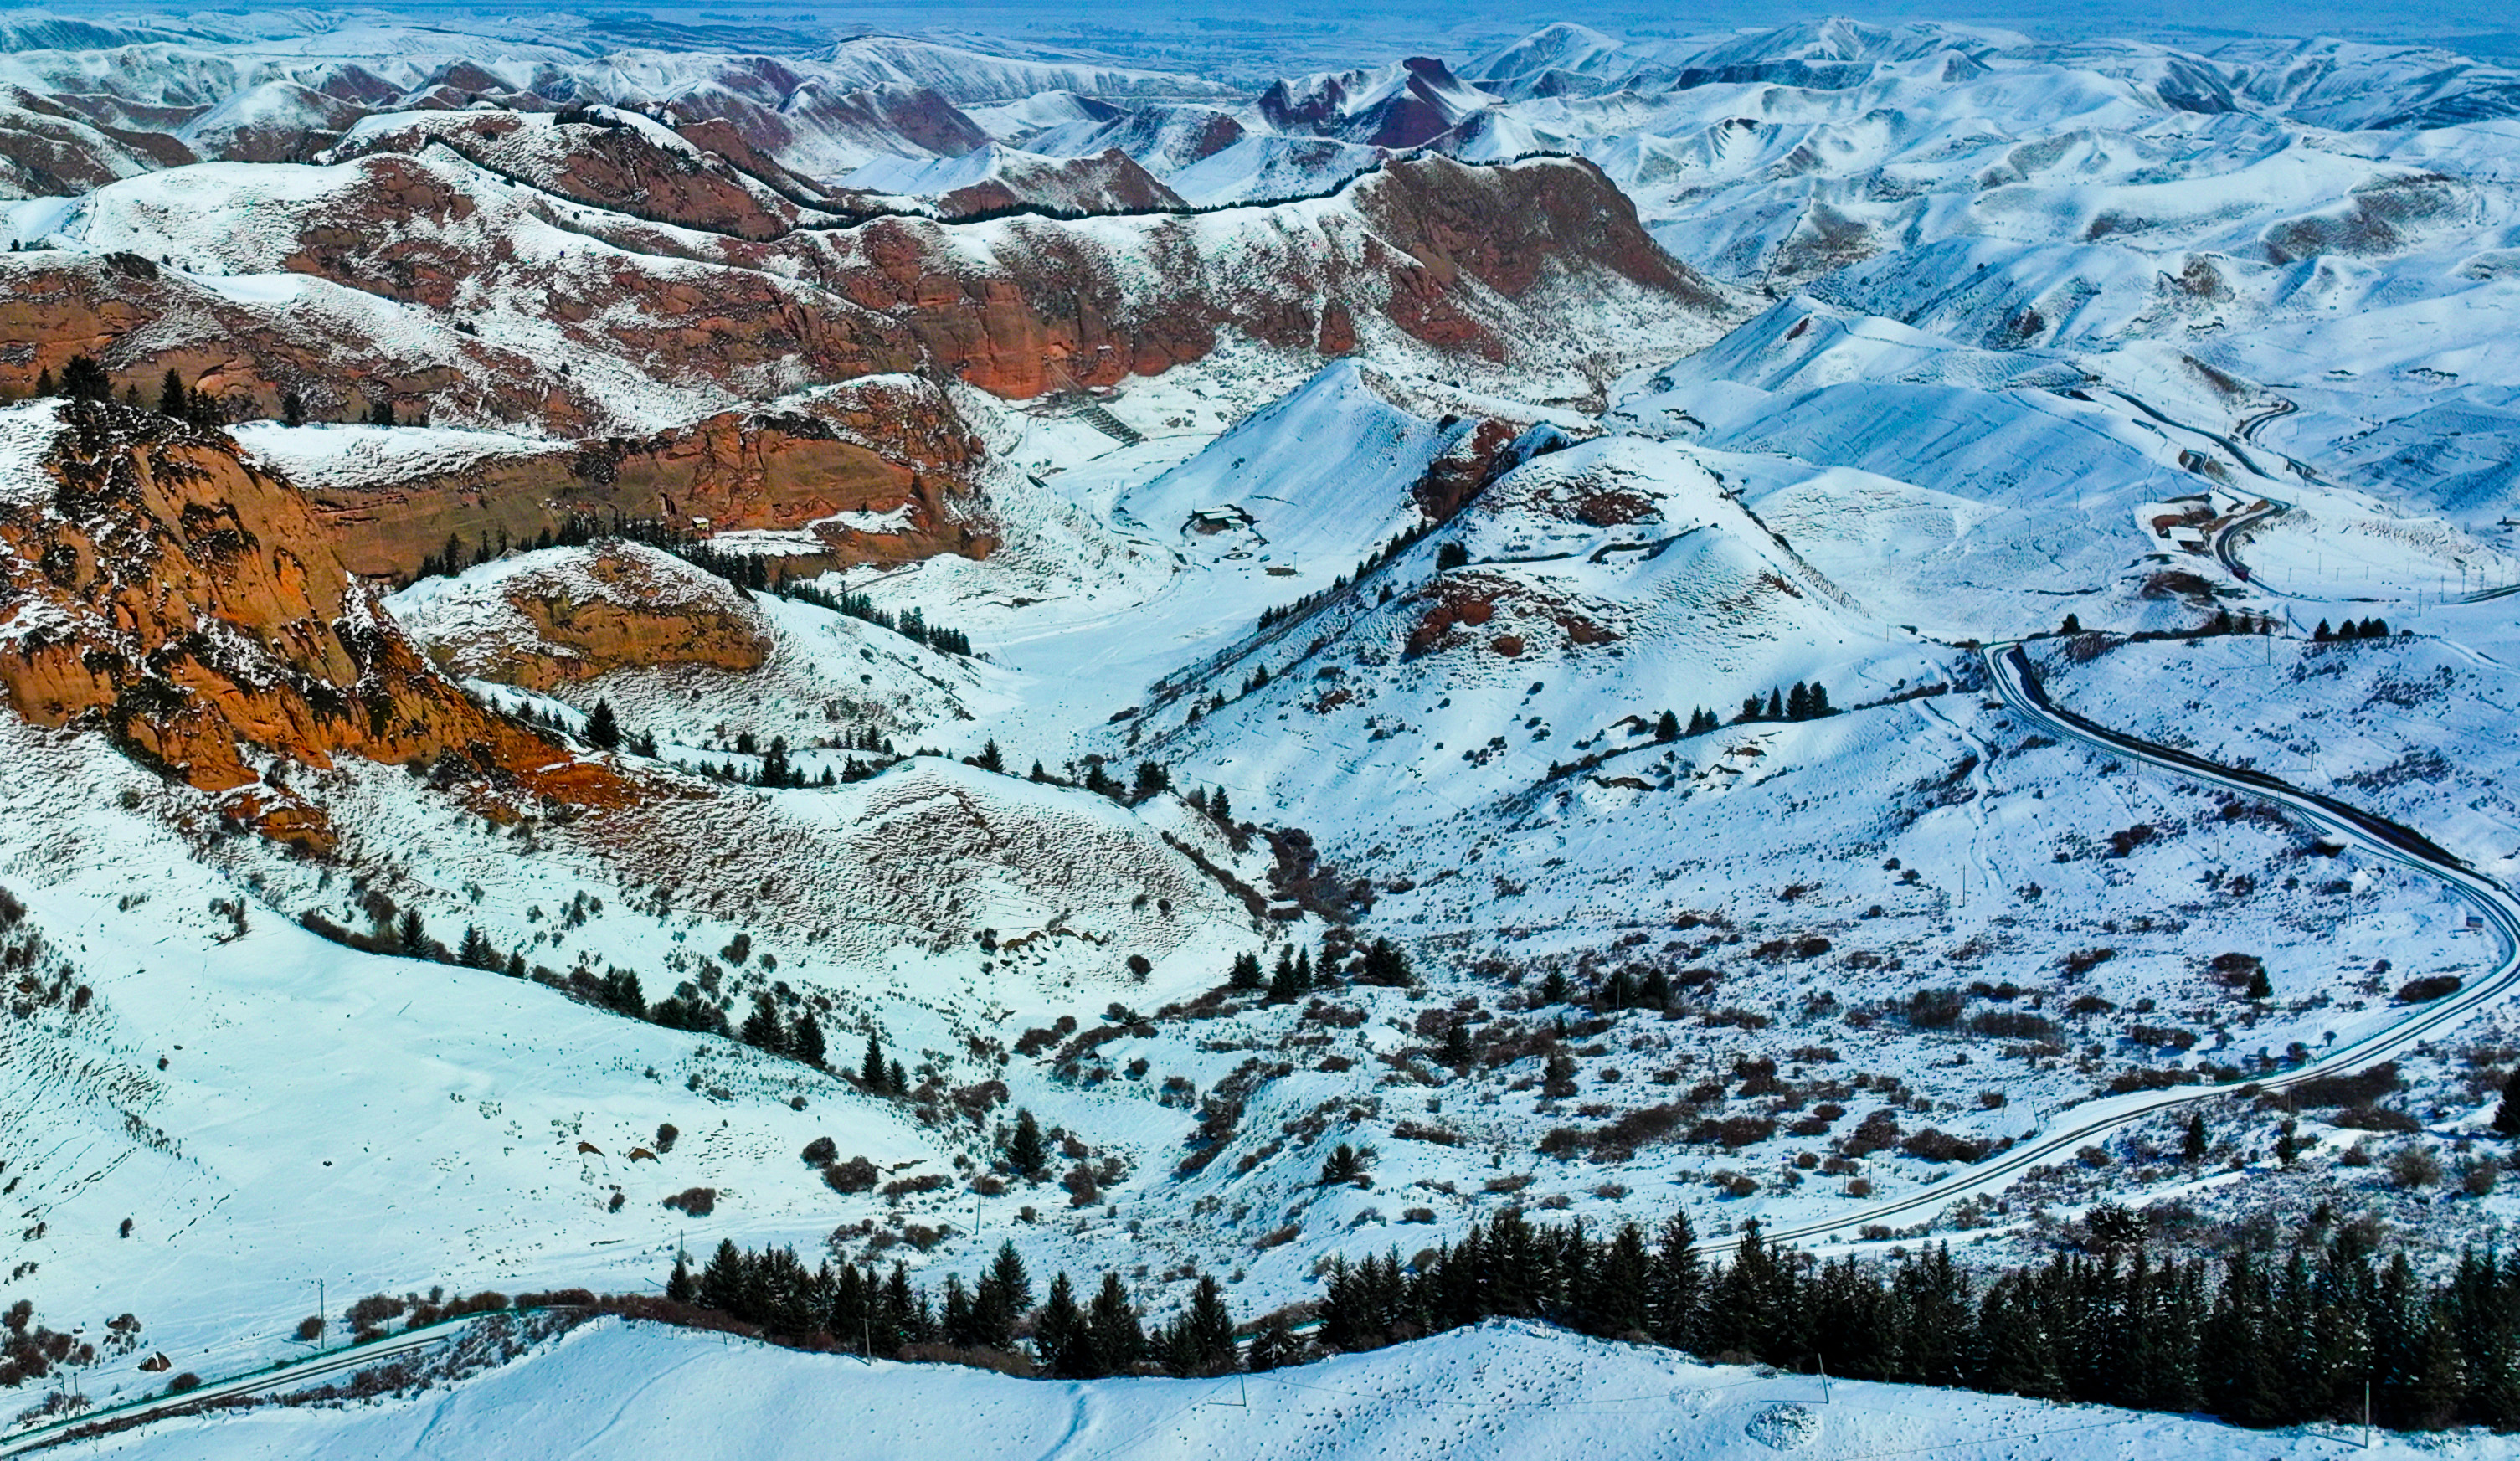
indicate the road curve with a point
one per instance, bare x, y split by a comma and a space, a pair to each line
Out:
2074, 1126
288, 1376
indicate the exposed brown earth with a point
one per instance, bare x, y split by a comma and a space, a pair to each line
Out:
875, 446
611, 607
192, 607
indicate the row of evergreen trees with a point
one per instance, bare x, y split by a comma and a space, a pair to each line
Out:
2369, 628
2280, 1338
1802, 702
910, 623
2283, 1337
856, 1307
1381, 962
745, 571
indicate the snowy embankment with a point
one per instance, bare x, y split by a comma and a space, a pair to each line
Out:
1502, 1390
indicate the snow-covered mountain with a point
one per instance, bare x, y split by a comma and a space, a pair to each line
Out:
679, 639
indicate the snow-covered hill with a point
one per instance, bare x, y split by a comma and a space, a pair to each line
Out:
963, 544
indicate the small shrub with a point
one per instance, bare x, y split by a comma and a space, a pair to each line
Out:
310, 1329
1939, 1145
1874, 1132
184, 1384
1563, 1143
857, 1174
694, 1202
2429, 988
2012, 1024
2095, 1157
821, 1151
2413, 1166
1934, 1009
1419, 1215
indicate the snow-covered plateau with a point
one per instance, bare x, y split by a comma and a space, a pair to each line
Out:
1796, 740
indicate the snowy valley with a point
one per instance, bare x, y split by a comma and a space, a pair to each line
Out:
682, 714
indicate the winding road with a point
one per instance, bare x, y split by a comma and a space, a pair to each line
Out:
2076, 1125
290, 1376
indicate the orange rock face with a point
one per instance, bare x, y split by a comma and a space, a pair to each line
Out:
887, 445
582, 612
194, 606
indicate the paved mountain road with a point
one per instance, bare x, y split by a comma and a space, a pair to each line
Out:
2076, 1125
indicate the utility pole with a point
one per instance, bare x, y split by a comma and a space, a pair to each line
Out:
2367, 1415
1824, 1379
322, 1324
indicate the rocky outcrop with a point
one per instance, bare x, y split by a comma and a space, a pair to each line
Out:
882, 468
154, 584
141, 320
1466, 259
565, 615
1106, 182
48, 150
602, 160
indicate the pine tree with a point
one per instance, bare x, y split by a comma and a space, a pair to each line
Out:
2322, 634
411, 935
1220, 808
44, 382
1204, 1336
1384, 965
897, 1081
475, 952
602, 732
2072, 625
172, 397
722, 1281
1667, 726
1282, 985
2259, 987
678, 1287
2507, 1115
990, 759
1798, 702
1246, 973
763, 1030
871, 1073
1776, 704
805, 1039
962, 1327
293, 408
1062, 1338
1026, 1151
1676, 1286
1006, 1290
84, 380
2191, 1148
1817, 704
1116, 1342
